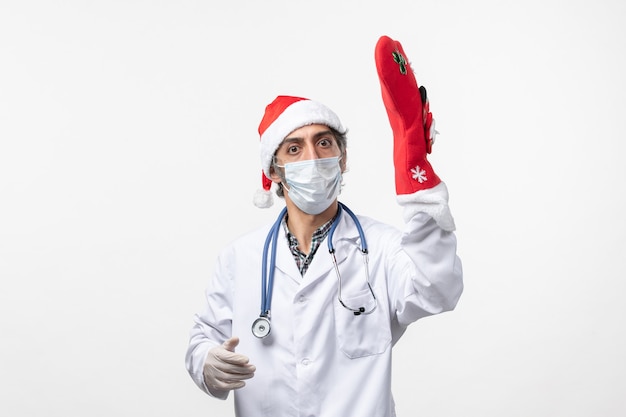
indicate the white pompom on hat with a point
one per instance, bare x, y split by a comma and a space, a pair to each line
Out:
282, 116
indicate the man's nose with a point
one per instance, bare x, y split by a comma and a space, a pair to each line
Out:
310, 153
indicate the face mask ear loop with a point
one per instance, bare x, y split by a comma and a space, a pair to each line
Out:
283, 180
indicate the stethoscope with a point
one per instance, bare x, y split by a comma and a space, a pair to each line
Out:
261, 327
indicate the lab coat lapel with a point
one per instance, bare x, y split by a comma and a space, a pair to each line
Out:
322, 261
284, 258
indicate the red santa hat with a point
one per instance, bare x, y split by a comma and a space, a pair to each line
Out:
282, 116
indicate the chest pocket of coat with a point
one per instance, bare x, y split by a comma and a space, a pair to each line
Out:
365, 334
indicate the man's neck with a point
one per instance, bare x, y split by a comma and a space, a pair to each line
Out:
302, 225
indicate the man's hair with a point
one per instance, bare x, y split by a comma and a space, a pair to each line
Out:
342, 142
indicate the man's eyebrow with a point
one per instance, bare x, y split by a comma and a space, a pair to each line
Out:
317, 135
288, 142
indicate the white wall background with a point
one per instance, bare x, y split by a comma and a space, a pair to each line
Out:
128, 157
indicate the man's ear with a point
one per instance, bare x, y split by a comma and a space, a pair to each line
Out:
274, 176
344, 161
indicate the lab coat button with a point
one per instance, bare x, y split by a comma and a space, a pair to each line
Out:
305, 361
302, 299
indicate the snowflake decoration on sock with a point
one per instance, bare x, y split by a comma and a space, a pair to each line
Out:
419, 174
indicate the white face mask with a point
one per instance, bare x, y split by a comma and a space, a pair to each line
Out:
313, 184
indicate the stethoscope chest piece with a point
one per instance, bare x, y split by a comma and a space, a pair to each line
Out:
261, 327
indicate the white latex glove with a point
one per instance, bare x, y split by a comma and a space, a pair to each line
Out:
225, 370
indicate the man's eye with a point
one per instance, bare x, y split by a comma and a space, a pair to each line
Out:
292, 149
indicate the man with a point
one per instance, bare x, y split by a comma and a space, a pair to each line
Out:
321, 342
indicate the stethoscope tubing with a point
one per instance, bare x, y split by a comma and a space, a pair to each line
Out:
331, 232
261, 326
266, 290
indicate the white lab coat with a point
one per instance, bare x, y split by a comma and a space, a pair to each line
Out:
320, 359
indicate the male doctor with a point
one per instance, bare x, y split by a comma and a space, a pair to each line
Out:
310, 337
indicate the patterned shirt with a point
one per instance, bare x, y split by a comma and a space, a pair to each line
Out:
303, 260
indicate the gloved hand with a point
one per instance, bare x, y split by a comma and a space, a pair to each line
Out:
411, 121
225, 370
